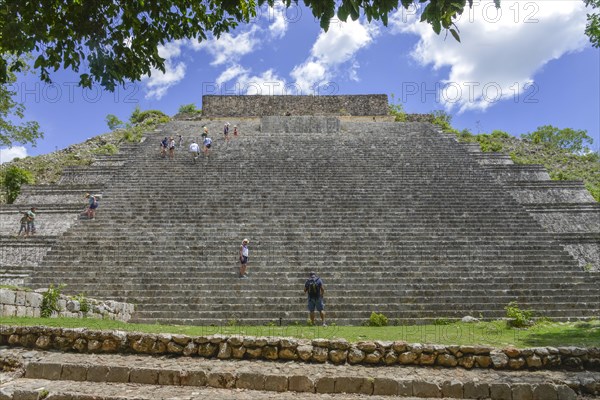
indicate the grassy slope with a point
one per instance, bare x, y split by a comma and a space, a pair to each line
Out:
495, 333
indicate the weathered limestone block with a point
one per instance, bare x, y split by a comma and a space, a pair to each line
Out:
390, 358
238, 352
224, 351
373, 358
385, 387
367, 347
207, 350
452, 389
408, 357
499, 359
446, 360
500, 391
534, 361
427, 359
252, 381
545, 391
299, 383
223, 380
192, 378
305, 352
399, 346
353, 385
483, 361
338, 356
43, 342
320, 354
254, 352
270, 352
340, 344
325, 384
7, 297
426, 389
355, 356
476, 390
288, 353
190, 349
516, 363
174, 348
276, 383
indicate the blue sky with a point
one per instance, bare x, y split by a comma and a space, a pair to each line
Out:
524, 66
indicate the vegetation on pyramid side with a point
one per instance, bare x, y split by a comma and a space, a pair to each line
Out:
565, 153
47, 168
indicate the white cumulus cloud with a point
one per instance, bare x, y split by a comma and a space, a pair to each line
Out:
11, 153
158, 82
501, 50
331, 50
229, 48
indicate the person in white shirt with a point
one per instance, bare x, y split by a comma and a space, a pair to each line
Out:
194, 150
244, 258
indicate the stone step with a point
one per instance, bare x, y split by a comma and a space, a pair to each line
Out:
138, 376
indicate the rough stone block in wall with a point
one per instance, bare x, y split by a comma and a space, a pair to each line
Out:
300, 124
526, 195
28, 256
251, 106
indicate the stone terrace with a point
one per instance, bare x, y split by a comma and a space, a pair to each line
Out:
395, 217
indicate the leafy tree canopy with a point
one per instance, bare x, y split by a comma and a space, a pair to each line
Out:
11, 132
112, 42
592, 29
12, 180
574, 140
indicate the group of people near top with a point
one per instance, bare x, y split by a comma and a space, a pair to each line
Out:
168, 143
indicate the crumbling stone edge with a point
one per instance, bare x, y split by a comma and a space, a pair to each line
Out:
22, 303
335, 351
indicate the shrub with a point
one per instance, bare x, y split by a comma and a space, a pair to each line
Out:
517, 318
50, 300
498, 134
189, 109
443, 119
377, 319
107, 149
148, 117
397, 110
442, 321
12, 180
84, 304
113, 122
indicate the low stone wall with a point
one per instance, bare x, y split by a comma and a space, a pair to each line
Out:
21, 303
301, 350
252, 106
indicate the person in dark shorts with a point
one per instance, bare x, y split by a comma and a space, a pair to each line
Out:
315, 290
164, 144
92, 206
244, 258
206, 145
226, 131
171, 147
23, 221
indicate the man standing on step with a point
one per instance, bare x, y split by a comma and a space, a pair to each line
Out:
194, 150
206, 145
315, 290
30, 230
244, 258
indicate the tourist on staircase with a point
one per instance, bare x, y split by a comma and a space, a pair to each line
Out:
163, 147
207, 143
315, 290
92, 206
244, 258
235, 131
194, 150
226, 131
171, 147
23, 221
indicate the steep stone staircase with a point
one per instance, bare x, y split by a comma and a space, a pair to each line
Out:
395, 218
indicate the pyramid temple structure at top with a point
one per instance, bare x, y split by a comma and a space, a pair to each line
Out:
396, 218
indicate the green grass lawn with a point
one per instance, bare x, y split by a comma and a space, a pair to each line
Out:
493, 333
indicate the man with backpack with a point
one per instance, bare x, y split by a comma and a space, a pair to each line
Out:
315, 290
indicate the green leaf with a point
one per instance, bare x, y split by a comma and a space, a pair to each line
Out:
455, 35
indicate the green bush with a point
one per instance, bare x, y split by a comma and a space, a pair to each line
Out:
50, 300
189, 109
396, 110
516, 317
114, 122
487, 144
12, 180
497, 134
443, 119
148, 117
84, 304
377, 320
107, 149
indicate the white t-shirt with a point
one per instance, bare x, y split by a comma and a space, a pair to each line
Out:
194, 147
244, 251
207, 141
